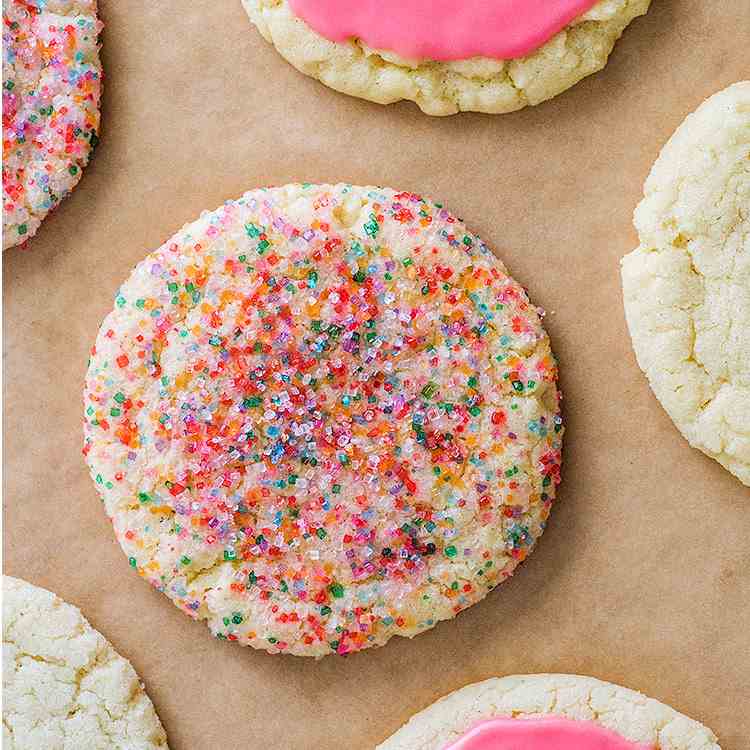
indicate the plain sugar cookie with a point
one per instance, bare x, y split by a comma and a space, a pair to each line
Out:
564, 712
322, 416
64, 686
687, 286
52, 82
424, 53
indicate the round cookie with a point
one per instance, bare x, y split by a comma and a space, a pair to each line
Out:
64, 686
322, 416
51, 90
582, 708
687, 285
443, 87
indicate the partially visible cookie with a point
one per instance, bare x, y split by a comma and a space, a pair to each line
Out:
64, 686
564, 711
553, 60
687, 286
51, 90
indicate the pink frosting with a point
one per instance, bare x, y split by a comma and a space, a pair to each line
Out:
443, 29
549, 733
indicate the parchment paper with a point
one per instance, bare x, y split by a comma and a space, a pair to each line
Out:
643, 576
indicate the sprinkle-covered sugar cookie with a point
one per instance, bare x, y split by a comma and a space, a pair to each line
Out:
549, 712
64, 686
51, 90
445, 55
322, 416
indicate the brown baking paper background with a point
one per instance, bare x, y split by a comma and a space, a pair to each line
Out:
643, 576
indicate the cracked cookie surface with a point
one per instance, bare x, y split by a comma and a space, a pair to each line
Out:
626, 712
442, 88
51, 90
322, 416
687, 286
64, 686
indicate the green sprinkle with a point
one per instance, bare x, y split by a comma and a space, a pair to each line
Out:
430, 390
337, 590
371, 227
451, 551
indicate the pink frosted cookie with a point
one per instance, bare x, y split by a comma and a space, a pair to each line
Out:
51, 90
446, 55
322, 416
549, 712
